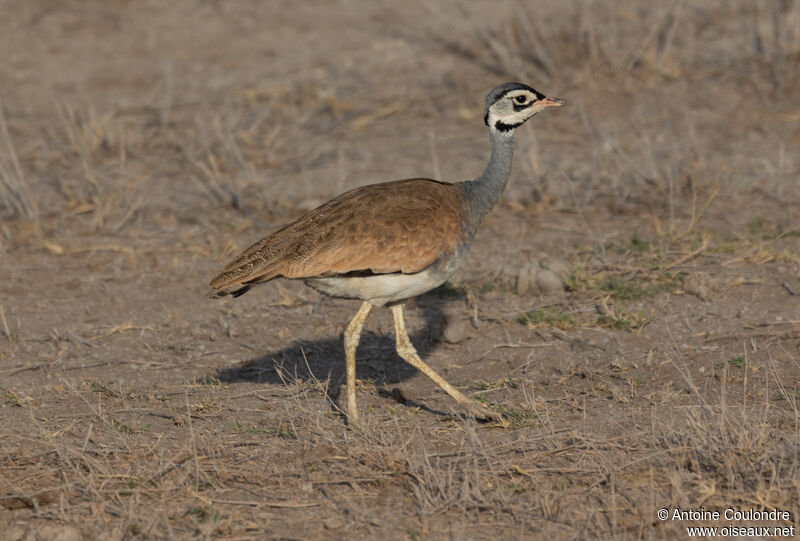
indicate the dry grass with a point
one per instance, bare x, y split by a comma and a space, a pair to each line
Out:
108, 466
14, 193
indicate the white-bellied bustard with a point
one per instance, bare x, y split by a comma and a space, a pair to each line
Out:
385, 243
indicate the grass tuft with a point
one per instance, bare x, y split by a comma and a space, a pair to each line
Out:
547, 316
12, 398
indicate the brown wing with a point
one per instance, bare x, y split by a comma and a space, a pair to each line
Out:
402, 226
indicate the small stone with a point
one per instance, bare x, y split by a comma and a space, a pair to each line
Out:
548, 281
400, 394
699, 285
524, 279
455, 331
557, 266
508, 273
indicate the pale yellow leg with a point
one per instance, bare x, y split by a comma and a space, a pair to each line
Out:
351, 337
406, 350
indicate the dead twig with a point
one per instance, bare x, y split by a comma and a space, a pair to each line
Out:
786, 286
689, 256
290, 505
120, 329
228, 502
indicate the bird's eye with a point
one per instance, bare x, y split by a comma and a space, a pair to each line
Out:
521, 99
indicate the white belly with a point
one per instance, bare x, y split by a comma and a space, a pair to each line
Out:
381, 288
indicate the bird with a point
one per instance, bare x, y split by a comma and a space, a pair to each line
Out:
385, 243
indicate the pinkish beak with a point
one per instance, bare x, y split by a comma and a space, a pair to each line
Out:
553, 102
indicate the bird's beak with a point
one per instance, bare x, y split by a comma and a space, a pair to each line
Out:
553, 102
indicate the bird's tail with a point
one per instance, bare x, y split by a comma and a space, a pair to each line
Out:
251, 267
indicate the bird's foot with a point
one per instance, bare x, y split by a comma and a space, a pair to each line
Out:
480, 412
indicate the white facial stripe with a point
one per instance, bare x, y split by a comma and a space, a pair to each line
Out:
515, 93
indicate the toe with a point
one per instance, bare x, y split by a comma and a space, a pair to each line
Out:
482, 413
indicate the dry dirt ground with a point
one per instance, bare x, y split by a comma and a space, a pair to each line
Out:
144, 143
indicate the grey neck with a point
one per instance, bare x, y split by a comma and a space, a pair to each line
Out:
483, 193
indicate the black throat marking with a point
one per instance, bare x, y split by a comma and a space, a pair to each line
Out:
502, 126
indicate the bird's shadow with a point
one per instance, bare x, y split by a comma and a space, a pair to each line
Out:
323, 360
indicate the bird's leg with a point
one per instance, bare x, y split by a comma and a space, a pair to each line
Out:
406, 350
351, 337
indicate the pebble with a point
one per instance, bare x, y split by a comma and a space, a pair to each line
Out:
525, 278
508, 272
699, 285
400, 394
558, 267
455, 330
548, 281
534, 276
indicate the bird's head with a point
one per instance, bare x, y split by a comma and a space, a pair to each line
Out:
509, 105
